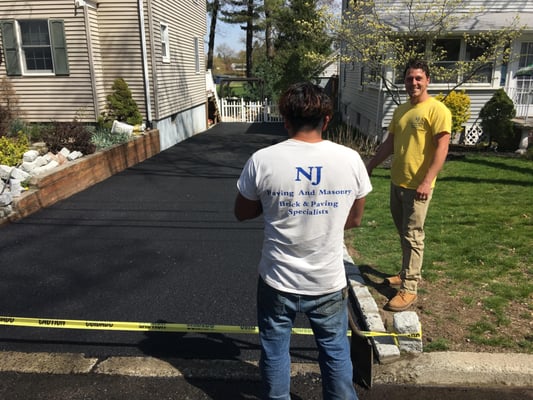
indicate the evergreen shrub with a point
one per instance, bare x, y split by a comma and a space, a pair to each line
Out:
120, 106
496, 121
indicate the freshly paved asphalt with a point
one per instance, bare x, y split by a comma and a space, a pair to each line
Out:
157, 242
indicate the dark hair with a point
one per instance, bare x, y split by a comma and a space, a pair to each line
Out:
305, 105
417, 64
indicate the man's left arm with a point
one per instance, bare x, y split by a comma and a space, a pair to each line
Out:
442, 142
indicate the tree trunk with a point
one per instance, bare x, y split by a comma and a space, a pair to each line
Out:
211, 45
249, 38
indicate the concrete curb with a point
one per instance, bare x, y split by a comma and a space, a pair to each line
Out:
460, 369
429, 369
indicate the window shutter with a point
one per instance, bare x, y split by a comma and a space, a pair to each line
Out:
11, 50
59, 47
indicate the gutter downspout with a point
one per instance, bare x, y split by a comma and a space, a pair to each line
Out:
153, 58
88, 38
144, 55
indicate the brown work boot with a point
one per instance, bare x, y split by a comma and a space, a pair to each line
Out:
394, 280
401, 302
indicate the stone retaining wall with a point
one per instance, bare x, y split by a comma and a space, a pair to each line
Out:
75, 176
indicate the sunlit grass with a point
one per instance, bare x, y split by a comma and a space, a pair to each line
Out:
479, 236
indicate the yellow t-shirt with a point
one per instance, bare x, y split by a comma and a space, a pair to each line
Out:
414, 128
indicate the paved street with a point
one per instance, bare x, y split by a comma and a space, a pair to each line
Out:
41, 387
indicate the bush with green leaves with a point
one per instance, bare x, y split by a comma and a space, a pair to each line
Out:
496, 121
121, 106
13, 148
74, 135
9, 110
102, 138
458, 102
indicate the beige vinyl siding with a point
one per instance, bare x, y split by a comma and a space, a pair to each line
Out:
120, 46
179, 86
43, 98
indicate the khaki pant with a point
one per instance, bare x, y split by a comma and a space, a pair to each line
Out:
409, 216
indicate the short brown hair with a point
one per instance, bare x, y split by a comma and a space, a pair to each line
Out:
305, 105
417, 64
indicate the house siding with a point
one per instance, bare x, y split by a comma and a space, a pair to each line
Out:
179, 87
104, 42
120, 44
49, 97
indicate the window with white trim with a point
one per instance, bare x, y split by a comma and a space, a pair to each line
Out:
34, 46
524, 83
450, 52
165, 43
526, 55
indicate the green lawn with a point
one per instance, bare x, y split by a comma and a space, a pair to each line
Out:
479, 233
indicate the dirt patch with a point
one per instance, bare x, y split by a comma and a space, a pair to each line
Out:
449, 323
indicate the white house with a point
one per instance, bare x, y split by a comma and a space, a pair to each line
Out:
365, 104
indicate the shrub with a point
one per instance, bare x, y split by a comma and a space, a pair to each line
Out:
496, 120
103, 138
459, 105
12, 149
121, 106
8, 105
73, 135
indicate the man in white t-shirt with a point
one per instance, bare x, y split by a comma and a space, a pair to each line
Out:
309, 190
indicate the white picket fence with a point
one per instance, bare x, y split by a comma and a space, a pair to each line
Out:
239, 110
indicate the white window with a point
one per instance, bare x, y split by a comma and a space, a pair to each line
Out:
449, 52
524, 82
197, 55
165, 44
526, 55
35, 46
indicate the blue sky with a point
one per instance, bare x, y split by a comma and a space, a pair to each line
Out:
233, 36
230, 35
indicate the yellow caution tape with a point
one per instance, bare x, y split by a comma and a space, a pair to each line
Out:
163, 327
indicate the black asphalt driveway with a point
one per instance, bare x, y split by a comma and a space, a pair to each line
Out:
157, 242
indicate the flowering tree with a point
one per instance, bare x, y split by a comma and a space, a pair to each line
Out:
383, 35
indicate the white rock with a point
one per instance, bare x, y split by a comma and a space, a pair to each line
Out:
19, 174
45, 168
38, 162
407, 323
4, 171
30, 155
12, 172
15, 187
64, 152
74, 155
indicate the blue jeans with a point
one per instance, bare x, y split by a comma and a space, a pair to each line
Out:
328, 316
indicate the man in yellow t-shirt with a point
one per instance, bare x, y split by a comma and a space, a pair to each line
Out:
419, 136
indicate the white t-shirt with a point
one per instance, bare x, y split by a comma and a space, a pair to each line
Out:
307, 191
